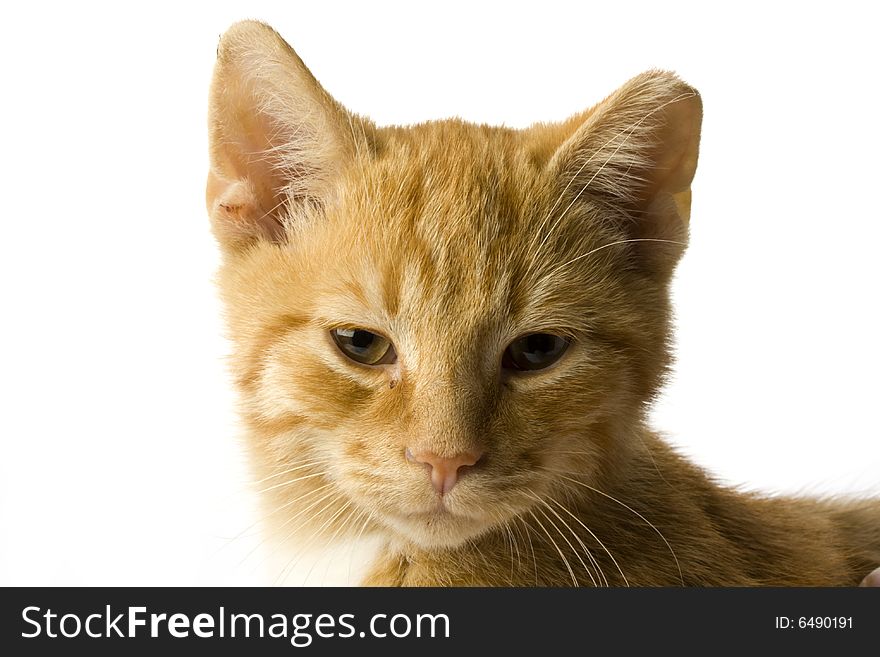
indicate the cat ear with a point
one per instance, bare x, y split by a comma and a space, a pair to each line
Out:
636, 153
276, 137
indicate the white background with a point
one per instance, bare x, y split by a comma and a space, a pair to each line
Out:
119, 461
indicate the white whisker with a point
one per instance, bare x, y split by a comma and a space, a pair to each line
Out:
306, 464
293, 481
565, 538
291, 564
574, 580
629, 508
354, 543
531, 546
596, 538
284, 506
610, 244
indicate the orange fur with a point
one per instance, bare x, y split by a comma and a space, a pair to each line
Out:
452, 240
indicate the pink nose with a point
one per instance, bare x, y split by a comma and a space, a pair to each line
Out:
444, 470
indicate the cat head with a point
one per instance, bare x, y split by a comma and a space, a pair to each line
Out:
433, 324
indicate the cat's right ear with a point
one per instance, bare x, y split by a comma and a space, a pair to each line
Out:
277, 139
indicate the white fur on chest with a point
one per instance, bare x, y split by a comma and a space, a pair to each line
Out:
341, 563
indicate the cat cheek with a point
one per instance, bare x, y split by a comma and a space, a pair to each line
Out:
273, 398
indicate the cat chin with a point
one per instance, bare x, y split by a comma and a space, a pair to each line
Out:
437, 531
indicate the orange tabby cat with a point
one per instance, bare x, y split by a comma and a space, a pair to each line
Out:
445, 336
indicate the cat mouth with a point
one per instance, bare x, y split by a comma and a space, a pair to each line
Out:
438, 512
443, 509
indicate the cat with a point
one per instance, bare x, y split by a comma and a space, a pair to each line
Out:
446, 335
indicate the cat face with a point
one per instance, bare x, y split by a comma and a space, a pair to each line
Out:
432, 325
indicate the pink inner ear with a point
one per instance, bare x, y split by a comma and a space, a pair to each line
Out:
678, 145
236, 213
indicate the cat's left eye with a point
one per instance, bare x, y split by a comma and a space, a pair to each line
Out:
364, 346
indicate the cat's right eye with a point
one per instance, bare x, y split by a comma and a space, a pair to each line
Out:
534, 352
364, 346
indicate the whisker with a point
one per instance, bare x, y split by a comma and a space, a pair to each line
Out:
367, 518
574, 580
506, 538
651, 456
531, 547
607, 551
299, 498
610, 244
629, 508
285, 572
318, 533
292, 481
282, 543
286, 522
305, 510
332, 538
268, 515
565, 538
515, 548
593, 561
284, 200
284, 472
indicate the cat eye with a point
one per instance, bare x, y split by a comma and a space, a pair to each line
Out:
364, 346
534, 352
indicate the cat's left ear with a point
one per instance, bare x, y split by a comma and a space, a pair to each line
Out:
277, 139
635, 153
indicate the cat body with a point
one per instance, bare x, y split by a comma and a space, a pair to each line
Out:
445, 337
